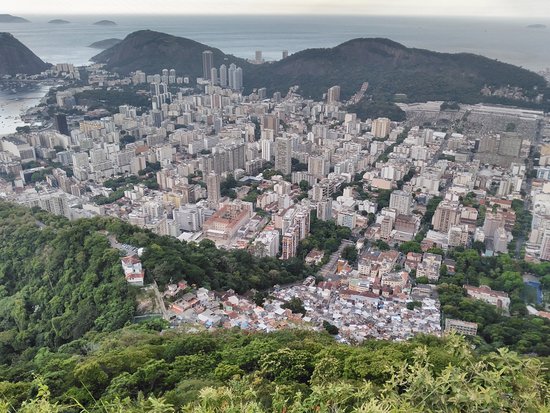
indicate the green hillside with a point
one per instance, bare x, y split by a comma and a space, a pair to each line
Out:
389, 67
152, 51
139, 370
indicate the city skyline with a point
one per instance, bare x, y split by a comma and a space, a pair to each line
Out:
485, 8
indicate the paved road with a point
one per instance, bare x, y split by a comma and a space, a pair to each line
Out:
527, 184
160, 301
330, 267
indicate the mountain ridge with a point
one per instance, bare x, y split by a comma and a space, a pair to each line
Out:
16, 58
392, 68
389, 67
105, 44
148, 50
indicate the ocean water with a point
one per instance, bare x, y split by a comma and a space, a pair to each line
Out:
508, 40
12, 106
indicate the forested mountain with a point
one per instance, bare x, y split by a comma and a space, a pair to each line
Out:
389, 67
15, 57
152, 51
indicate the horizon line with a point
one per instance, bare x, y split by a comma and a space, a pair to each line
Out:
283, 14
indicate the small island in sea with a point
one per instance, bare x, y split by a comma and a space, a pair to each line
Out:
105, 23
536, 26
59, 21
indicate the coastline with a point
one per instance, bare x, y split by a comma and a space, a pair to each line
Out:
13, 107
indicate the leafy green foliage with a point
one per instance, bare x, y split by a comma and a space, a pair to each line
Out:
450, 106
520, 332
140, 370
330, 328
111, 99
113, 197
410, 246
227, 187
391, 68
295, 305
59, 281
324, 235
430, 209
350, 254
298, 166
368, 109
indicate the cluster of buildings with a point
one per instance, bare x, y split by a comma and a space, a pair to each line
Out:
249, 172
357, 314
213, 310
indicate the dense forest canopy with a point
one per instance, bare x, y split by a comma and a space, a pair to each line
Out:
61, 279
138, 370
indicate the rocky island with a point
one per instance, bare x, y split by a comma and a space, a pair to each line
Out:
105, 23
59, 21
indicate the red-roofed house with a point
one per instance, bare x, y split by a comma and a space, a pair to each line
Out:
132, 270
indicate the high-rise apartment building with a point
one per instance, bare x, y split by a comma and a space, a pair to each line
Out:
60, 123
545, 246
238, 79
447, 214
271, 122
266, 146
231, 75
207, 63
213, 182
223, 76
381, 127
401, 201
317, 166
333, 94
283, 155
214, 76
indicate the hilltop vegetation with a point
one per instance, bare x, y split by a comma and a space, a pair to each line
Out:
62, 279
58, 281
518, 331
105, 44
391, 68
139, 370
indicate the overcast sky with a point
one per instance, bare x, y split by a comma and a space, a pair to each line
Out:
483, 8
